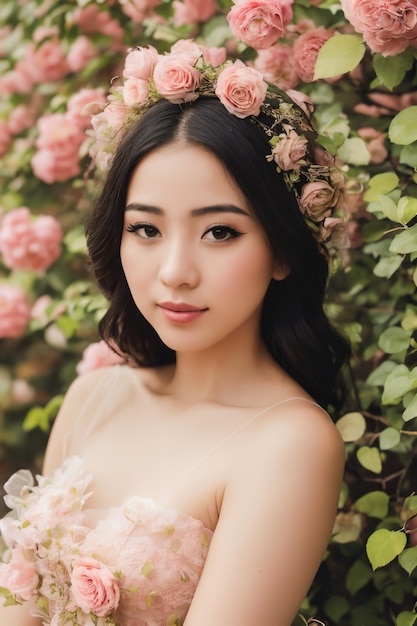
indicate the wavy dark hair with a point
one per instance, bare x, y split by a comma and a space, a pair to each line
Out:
294, 325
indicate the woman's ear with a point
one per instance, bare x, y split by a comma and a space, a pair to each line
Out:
280, 271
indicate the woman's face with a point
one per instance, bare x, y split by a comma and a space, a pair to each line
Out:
196, 261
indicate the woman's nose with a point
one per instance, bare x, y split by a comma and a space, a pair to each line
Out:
179, 266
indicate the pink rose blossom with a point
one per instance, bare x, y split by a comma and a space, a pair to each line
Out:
18, 80
140, 63
14, 311
21, 118
176, 79
290, 150
241, 89
138, 10
277, 66
374, 140
388, 26
80, 53
259, 23
317, 199
193, 11
47, 61
306, 49
30, 244
58, 146
93, 587
97, 355
19, 575
5, 137
83, 104
135, 91
92, 20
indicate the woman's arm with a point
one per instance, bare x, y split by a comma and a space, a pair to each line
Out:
276, 518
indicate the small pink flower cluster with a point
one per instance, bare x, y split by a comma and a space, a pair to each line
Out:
97, 355
29, 243
14, 311
388, 26
41, 565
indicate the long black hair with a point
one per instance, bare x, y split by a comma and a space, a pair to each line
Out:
294, 326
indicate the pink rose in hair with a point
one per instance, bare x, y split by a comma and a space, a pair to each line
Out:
306, 48
93, 587
14, 311
277, 66
188, 49
214, 56
290, 150
302, 100
260, 23
135, 91
317, 199
140, 63
241, 89
176, 79
81, 52
193, 11
29, 244
97, 355
19, 575
388, 26
5, 137
334, 228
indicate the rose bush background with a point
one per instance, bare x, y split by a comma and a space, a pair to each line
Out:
57, 56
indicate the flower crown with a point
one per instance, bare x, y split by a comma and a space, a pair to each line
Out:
190, 71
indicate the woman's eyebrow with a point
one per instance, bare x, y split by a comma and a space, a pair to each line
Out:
216, 208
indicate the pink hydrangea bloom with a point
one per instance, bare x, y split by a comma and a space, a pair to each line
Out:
388, 26
277, 65
97, 355
193, 11
260, 23
306, 48
30, 244
14, 311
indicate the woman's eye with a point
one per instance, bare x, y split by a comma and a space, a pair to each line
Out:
146, 231
221, 233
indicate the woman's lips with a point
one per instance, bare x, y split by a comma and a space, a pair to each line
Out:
180, 312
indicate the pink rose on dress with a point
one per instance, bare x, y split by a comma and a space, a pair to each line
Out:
14, 311
241, 89
306, 49
277, 66
176, 79
135, 91
259, 23
29, 244
290, 150
97, 355
388, 26
317, 199
19, 575
93, 587
140, 63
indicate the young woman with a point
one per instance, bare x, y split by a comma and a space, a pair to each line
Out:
215, 467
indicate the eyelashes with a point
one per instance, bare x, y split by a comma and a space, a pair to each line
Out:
218, 232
